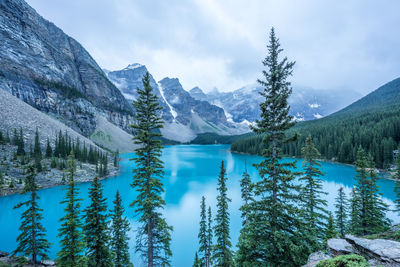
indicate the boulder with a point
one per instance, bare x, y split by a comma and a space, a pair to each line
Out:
338, 247
386, 252
315, 258
48, 263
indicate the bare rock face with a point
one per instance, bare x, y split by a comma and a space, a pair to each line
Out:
381, 251
338, 247
315, 258
52, 72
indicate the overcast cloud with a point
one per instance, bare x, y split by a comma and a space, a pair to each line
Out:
209, 43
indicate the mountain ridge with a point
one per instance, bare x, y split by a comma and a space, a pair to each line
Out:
52, 72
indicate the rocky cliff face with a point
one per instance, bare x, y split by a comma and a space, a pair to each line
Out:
185, 105
130, 78
242, 105
184, 115
51, 71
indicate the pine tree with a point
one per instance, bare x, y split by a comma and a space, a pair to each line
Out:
341, 212
15, 138
37, 151
209, 238
203, 244
7, 140
354, 221
247, 196
119, 237
154, 234
244, 243
276, 234
72, 239
372, 210
377, 209
315, 213
49, 151
397, 186
196, 262
222, 254
20, 143
95, 228
330, 228
32, 240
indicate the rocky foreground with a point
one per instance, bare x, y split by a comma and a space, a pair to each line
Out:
378, 252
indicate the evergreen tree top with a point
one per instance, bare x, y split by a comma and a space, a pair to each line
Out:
275, 118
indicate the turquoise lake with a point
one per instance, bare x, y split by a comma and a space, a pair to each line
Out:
190, 172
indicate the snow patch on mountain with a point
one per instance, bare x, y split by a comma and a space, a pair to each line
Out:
314, 105
133, 66
318, 116
173, 112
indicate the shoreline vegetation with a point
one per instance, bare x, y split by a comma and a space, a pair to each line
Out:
114, 171
382, 173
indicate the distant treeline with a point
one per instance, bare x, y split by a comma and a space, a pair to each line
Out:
338, 137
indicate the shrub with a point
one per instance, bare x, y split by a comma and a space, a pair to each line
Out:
352, 260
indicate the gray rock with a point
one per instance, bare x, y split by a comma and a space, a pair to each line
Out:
305, 103
315, 258
337, 246
381, 250
184, 115
48, 263
52, 72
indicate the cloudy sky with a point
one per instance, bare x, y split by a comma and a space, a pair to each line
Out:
347, 44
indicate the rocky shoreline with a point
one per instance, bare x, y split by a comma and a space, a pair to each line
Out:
48, 183
378, 252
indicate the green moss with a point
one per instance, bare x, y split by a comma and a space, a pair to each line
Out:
390, 234
352, 260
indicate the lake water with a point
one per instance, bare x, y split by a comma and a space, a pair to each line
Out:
190, 173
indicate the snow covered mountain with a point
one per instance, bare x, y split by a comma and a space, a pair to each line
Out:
242, 105
184, 115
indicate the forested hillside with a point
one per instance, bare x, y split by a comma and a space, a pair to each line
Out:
372, 122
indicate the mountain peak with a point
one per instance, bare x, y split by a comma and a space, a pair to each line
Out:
133, 66
196, 90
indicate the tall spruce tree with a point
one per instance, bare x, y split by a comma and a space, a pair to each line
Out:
371, 210
354, 221
96, 232
222, 253
209, 238
49, 151
315, 213
119, 237
32, 240
72, 239
154, 234
397, 186
19, 141
196, 262
330, 231
247, 195
276, 234
37, 151
203, 244
341, 209
377, 209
